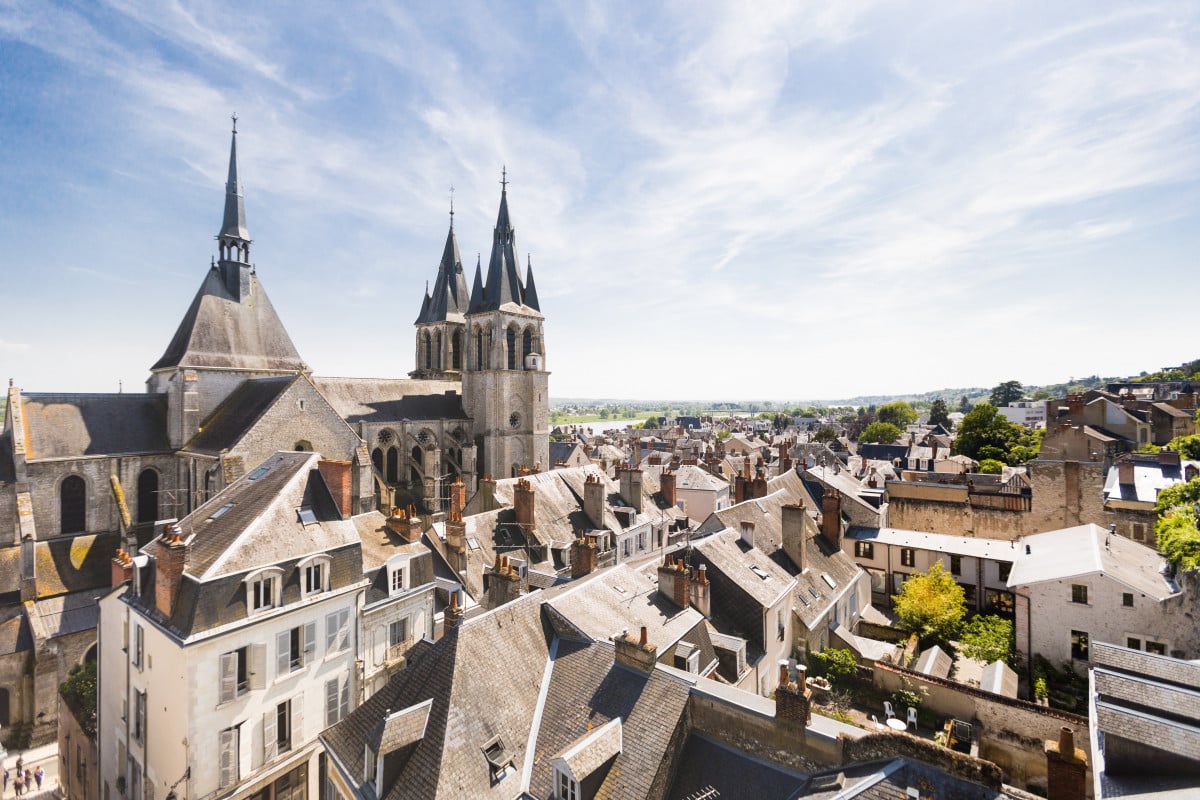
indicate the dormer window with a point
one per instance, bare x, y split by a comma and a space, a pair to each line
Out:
398, 575
498, 757
568, 789
314, 575
263, 590
306, 515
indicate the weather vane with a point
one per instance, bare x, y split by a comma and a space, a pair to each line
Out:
234, 118
504, 178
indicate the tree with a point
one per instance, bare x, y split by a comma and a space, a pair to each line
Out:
836, 664
1007, 392
988, 638
898, 413
1188, 447
825, 434
964, 405
1176, 531
985, 434
651, 422
883, 432
939, 414
931, 605
79, 693
990, 466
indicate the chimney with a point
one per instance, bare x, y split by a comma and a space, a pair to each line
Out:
831, 516
1066, 768
739, 490
933, 446
636, 654
673, 581
404, 523
631, 486
458, 495
747, 532
698, 588
793, 700
593, 499
1125, 472
1074, 404
793, 517
504, 584
122, 568
1168, 458
456, 535
758, 487
583, 556
169, 564
487, 493
654, 460
523, 506
667, 486
338, 477
452, 616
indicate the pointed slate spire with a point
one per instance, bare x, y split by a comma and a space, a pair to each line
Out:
531, 298
425, 303
503, 280
233, 226
477, 287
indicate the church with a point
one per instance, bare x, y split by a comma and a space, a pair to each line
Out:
82, 475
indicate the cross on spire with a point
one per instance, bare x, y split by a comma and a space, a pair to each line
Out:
452, 205
503, 178
234, 118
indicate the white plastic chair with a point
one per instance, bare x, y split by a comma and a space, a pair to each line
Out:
912, 718
878, 724
887, 706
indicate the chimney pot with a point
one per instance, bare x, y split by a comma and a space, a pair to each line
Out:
644, 638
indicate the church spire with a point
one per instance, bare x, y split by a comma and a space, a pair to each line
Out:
234, 238
503, 286
531, 298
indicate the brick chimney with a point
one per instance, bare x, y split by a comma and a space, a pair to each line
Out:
667, 487
739, 490
456, 533
523, 506
339, 477
504, 584
583, 556
655, 459
1074, 404
593, 499
699, 590
673, 581
1066, 768
831, 516
793, 700
636, 654
631, 485
758, 487
452, 616
405, 524
122, 568
458, 495
1125, 472
793, 533
487, 493
172, 558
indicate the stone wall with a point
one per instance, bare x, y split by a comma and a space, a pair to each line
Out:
760, 735
890, 745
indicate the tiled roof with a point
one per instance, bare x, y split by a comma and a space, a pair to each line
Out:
64, 425
392, 400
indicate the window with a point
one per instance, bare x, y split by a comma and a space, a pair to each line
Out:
398, 575
147, 496
568, 789
139, 716
1133, 644
956, 565
1004, 568
138, 646
498, 757
306, 515
864, 549
294, 648
241, 670
222, 511
1079, 645
314, 576
262, 591
908, 557
337, 631
282, 727
1002, 604
398, 632
1157, 648
72, 501
1078, 593
228, 750
337, 699
1127, 599
369, 765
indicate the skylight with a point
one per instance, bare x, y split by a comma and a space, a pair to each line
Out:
813, 592
825, 577
258, 473
759, 571
220, 512
306, 515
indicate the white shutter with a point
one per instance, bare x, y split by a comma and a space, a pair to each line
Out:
296, 720
283, 653
228, 753
344, 701
343, 629
331, 701
330, 631
229, 665
257, 678
270, 737
310, 642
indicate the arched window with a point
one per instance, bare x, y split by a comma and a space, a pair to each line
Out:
479, 348
428, 351
437, 359
393, 460
526, 344
456, 350
417, 461
4, 711
72, 500
377, 459
512, 348
147, 496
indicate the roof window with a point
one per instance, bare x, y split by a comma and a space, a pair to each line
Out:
258, 473
220, 512
497, 755
830, 581
306, 515
759, 571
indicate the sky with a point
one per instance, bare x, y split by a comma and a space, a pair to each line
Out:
721, 201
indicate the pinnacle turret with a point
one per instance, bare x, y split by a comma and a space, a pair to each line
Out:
234, 237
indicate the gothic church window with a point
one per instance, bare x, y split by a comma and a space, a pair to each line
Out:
456, 350
393, 460
526, 344
428, 351
438, 350
512, 348
72, 496
147, 496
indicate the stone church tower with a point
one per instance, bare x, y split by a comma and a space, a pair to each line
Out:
441, 325
504, 378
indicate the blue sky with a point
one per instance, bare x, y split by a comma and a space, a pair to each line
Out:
811, 200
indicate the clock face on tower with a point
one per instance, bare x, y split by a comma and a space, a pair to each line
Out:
514, 420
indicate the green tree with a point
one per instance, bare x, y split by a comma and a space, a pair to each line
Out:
836, 664
651, 422
604, 413
882, 432
825, 434
1188, 447
988, 638
939, 414
898, 413
1176, 531
964, 405
79, 693
1007, 392
990, 466
985, 434
931, 605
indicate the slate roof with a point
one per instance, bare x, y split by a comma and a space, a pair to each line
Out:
708, 765
238, 413
75, 563
565, 452
503, 286
995, 549
689, 476
1149, 478
233, 222
68, 425
219, 332
449, 298
1089, 550
62, 616
889, 780
15, 636
392, 400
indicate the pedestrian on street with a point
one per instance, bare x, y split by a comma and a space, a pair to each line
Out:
38, 775
19, 785
20, 765
5, 781
28, 780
